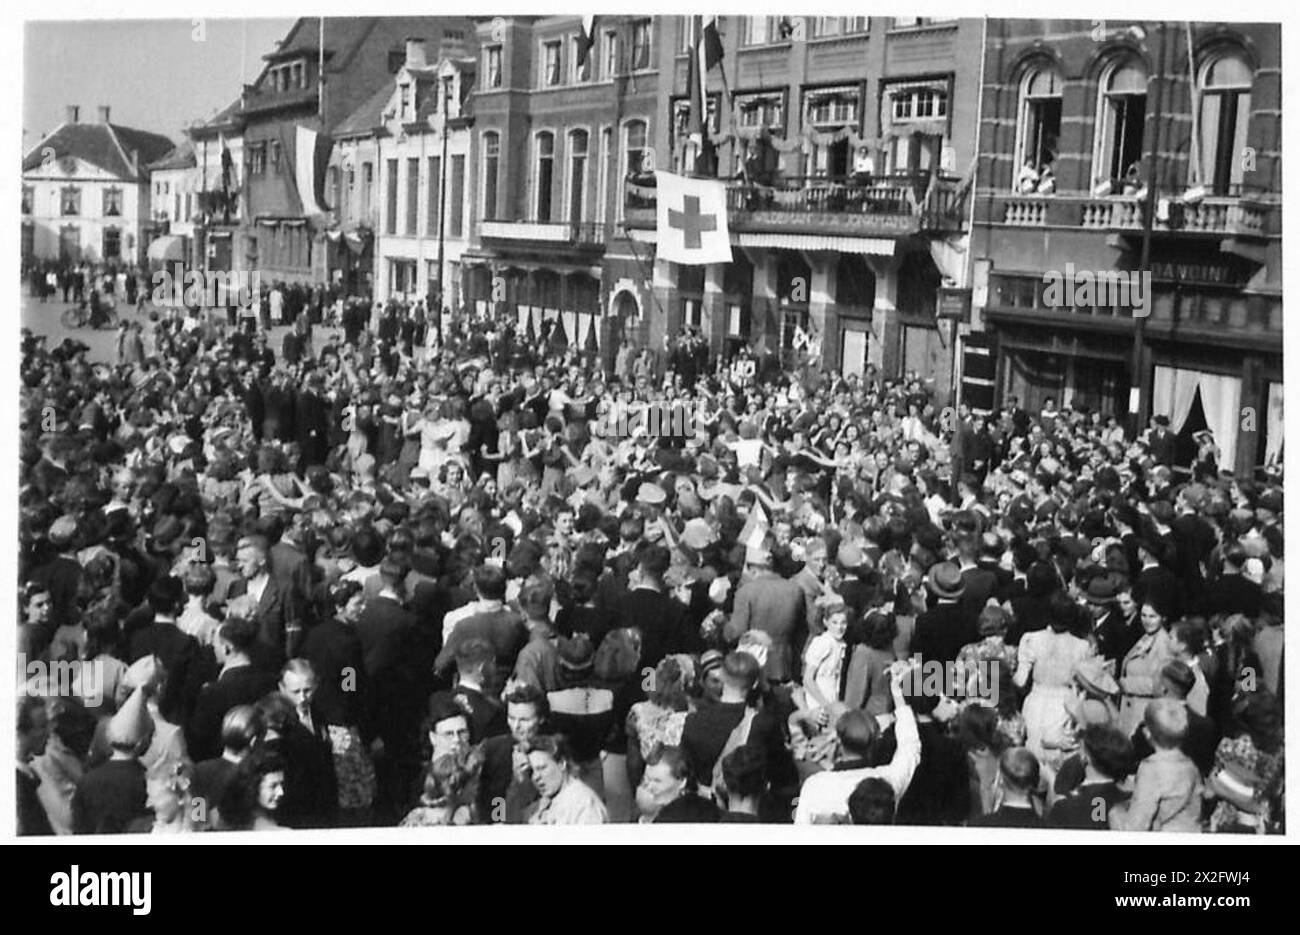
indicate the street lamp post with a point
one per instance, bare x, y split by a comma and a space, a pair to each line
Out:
1139, 403
442, 192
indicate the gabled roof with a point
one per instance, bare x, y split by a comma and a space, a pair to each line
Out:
367, 118
228, 118
182, 157
105, 145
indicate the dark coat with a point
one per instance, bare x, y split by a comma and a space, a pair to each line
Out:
238, 686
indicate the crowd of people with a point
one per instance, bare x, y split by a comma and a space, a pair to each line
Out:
391, 579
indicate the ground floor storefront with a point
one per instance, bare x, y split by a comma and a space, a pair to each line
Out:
1236, 392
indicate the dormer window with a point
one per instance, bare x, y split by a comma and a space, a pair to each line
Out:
404, 97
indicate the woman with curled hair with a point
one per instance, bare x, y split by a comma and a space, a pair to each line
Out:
658, 721
255, 793
564, 799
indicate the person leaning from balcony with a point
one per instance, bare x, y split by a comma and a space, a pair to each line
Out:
1046, 178
1027, 178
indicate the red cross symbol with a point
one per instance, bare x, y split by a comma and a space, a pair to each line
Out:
692, 222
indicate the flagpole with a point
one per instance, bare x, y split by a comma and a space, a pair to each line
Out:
320, 73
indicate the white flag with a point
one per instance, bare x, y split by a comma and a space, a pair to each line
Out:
692, 220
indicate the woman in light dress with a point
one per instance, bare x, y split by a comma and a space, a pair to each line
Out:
1050, 657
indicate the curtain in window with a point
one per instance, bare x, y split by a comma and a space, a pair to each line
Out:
1274, 425
1175, 390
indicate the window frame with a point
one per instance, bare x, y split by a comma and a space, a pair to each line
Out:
645, 26
538, 156
494, 77
552, 74
112, 202
70, 195
492, 153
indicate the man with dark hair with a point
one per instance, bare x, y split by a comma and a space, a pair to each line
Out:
487, 619
1233, 592
239, 682
1107, 758
506, 788
649, 608
187, 667
872, 802
744, 775
474, 691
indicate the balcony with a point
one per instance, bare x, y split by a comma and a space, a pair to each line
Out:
1213, 216
582, 235
889, 206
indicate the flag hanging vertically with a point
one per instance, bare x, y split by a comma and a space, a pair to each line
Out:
311, 158
706, 53
586, 39
691, 216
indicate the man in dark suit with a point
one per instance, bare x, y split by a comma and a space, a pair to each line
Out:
1233, 592
395, 703
269, 601
311, 794
475, 665
650, 609
239, 683
1162, 443
1155, 583
946, 627
980, 575
186, 665
311, 423
61, 575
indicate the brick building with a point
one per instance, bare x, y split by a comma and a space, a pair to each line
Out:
1127, 120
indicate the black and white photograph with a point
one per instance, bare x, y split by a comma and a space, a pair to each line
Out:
434, 427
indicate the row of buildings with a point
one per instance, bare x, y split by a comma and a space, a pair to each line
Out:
899, 190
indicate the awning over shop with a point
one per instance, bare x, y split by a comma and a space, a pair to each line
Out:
168, 248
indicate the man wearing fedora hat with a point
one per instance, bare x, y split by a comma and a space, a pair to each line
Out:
946, 627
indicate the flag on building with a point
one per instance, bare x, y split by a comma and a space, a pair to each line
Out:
706, 54
691, 219
586, 39
311, 159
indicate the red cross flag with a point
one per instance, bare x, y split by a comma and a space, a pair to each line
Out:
692, 220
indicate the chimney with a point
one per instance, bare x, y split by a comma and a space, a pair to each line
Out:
73, 114
415, 57
103, 113
451, 47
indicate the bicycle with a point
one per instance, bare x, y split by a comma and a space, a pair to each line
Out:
78, 316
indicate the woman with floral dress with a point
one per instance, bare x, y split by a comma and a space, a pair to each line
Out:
1247, 779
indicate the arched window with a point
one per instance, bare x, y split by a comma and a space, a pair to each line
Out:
577, 176
545, 174
1226, 80
1121, 115
1039, 126
491, 162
